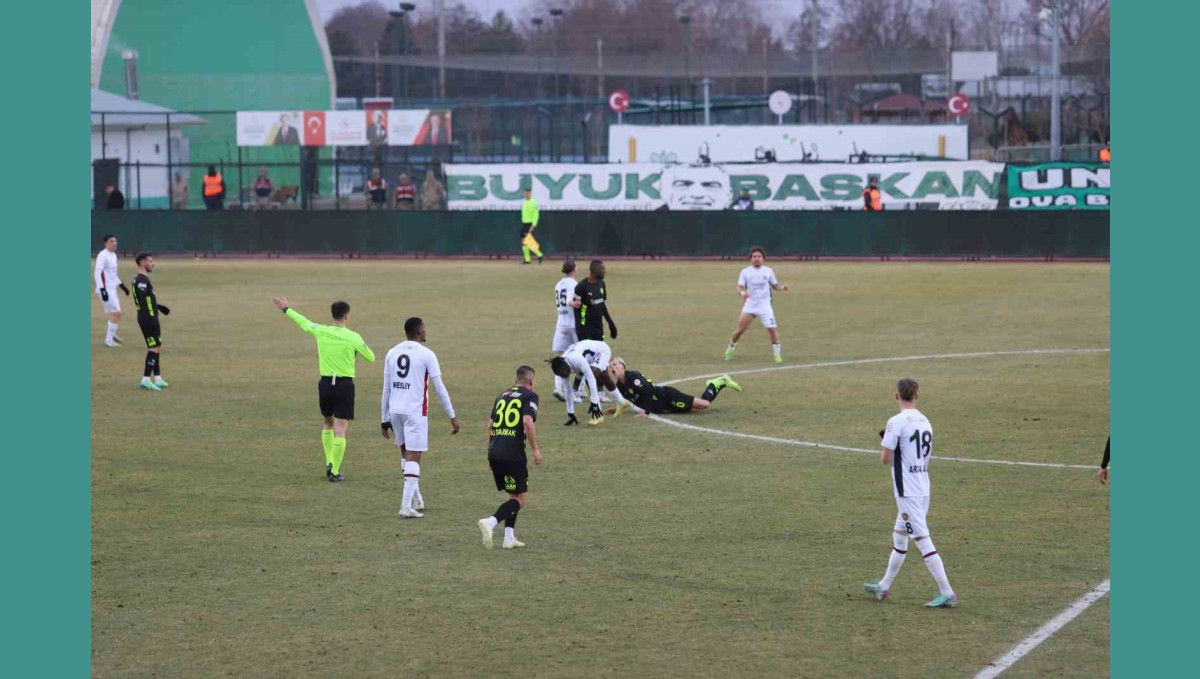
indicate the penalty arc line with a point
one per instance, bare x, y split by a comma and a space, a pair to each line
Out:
864, 361
1043, 633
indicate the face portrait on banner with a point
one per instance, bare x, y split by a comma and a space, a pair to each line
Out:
689, 187
286, 134
377, 129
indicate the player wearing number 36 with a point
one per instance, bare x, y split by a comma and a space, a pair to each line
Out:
407, 371
908, 447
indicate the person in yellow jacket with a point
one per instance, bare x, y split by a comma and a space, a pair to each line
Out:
529, 222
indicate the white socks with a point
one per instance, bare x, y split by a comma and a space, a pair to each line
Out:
775, 348
112, 332
938, 570
509, 535
895, 560
491, 522
412, 477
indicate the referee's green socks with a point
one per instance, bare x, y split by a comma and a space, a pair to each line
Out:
338, 452
327, 444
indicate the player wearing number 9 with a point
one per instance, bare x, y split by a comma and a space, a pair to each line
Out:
907, 447
408, 370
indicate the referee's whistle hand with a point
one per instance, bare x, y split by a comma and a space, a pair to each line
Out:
280, 302
453, 425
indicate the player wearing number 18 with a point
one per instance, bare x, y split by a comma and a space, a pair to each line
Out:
907, 447
511, 425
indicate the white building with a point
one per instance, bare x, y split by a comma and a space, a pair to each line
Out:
135, 134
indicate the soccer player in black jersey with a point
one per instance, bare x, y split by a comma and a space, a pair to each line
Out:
590, 307
511, 425
649, 398
148, 310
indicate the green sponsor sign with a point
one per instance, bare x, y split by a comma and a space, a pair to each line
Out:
966, 185
1058, 186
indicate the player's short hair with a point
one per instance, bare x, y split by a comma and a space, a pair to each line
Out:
596, 264
105, 237
339, 310
558, 366
568, 266
137, 259
412, 326
907, 388
524, 373
759, 250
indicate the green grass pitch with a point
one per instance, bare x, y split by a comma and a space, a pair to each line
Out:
219, 549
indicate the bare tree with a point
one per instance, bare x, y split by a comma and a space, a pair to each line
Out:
886, 25
1079, 22
813, 22
362, 25
985, 22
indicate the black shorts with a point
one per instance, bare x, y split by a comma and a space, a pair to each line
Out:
511, 476
583, 332
675, 401
151, 331
336, 399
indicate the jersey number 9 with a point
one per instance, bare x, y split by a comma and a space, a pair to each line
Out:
508, 414
403, 363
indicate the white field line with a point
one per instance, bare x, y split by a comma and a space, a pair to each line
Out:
863, 361
1043, 633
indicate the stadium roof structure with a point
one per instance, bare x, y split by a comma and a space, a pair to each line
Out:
123, 112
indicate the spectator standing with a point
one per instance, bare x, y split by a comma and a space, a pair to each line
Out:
406, 193
872, 199
1106, 153
179, 193
433, 194
263, 189
376, 191
744, 201
116, 199
214, 189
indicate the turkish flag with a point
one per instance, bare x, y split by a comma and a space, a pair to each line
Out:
314, 128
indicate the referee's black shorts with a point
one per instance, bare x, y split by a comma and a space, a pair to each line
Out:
336, 397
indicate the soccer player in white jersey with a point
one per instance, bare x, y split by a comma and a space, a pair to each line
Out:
590, 359
107, 284
407, 371
564, 331
755, 284
907, 447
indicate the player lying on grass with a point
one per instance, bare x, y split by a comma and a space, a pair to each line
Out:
645, 397
588, 358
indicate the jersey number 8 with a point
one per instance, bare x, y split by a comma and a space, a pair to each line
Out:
508, 414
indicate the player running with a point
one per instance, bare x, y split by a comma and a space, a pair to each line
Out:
407, 371
107, 284
337, 347
148, 310
514, 415
907, 447
755, 284
564, 331
645, 397
589, 359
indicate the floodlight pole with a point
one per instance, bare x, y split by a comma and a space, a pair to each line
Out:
1055, 101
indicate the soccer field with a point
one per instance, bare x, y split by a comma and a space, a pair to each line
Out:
219, 548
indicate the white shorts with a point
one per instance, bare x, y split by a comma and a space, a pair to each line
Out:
113, 305
600, 359
412, 432
910, 519
764, 312
563, 338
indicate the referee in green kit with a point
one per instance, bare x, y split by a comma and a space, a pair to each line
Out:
337, 346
